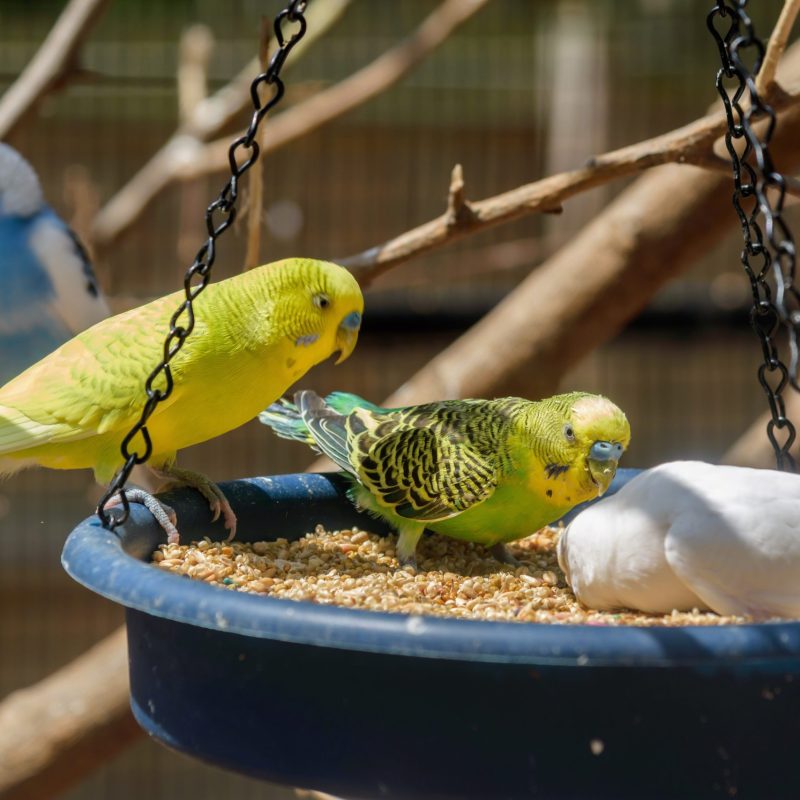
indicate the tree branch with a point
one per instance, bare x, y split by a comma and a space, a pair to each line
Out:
691, 144
339, 99
209, 117
185, 158
777, 44
255, 180
54, 61
641, 241
194, 54
55, 732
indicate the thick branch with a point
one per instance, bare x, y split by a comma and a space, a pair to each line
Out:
54, 61
55, 732
208, 118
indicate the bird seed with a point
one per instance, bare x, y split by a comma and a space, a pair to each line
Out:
357, 569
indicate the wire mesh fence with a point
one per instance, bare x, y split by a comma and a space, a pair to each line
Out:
522, 90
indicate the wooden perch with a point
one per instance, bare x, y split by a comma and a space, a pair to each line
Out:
186, 158
54, 62
55, 732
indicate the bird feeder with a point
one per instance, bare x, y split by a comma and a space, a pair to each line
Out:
364, 704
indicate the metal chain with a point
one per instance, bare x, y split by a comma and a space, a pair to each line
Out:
755, 178
219, 217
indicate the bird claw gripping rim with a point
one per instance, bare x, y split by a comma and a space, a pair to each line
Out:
290, 27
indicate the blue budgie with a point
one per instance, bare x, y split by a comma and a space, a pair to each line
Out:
48, 291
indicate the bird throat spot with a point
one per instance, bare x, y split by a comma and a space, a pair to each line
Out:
290, 362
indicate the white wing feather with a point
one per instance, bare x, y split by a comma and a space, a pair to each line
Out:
689, 534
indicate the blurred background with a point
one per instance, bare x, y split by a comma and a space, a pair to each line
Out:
522, 90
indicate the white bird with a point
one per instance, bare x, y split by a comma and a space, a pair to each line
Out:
689, 535
48, 292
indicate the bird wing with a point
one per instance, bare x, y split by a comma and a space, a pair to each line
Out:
743, 558
91, 385
423, 462
78, 302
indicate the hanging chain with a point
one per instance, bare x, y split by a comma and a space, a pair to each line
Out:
219, 217
756, 182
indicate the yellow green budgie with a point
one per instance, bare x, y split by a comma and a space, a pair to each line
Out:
487, 471
255, 334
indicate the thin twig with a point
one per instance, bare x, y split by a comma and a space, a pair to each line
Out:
195, 50
209, 118
55, 60
776, 45
458, 209
255, 195
352, 92
194, 54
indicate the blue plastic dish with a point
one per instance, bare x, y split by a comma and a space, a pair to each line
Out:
365, 705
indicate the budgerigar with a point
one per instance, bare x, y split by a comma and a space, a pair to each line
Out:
255, 334
48, 292
487, 471
688, 534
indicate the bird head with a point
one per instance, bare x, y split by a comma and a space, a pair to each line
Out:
20, 191
322, 307
586, 435
601, 434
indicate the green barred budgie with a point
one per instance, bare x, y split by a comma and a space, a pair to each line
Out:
255, 334
487, 471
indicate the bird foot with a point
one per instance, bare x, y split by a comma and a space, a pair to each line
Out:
408, 562
165, 515
503, 555
211, 492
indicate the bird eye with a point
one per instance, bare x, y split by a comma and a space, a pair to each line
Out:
569, 432
321, 300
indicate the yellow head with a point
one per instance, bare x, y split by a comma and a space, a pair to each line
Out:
578, 439
318, 308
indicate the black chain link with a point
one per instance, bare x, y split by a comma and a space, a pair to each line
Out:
756, 184
219, 217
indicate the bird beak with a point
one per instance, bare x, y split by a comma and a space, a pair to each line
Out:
602, 463
347, 335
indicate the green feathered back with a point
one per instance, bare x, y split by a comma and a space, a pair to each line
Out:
485, 470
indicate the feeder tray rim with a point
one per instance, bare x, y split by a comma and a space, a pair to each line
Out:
97, 558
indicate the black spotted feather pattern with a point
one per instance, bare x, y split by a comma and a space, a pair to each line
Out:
427, 463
